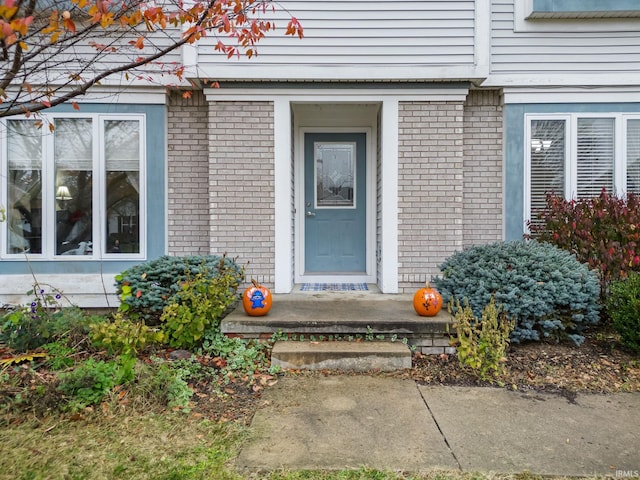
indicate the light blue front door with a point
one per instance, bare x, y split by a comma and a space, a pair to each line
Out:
335, 203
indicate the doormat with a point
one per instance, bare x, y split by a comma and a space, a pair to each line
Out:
333, 287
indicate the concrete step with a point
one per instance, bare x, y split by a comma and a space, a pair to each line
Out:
350, 356
339, 316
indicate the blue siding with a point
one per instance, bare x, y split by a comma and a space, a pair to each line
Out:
156, 197
514, 154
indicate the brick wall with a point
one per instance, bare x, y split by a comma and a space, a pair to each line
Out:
482, 205
241, 185
430, 181
188, 175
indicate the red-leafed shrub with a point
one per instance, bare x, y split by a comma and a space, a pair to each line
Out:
603, 232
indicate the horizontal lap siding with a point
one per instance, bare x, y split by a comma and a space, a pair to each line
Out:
241, 185
360, 32
56, 67
430, 181
562, 51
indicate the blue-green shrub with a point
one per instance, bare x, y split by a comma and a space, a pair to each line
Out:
147, 288
544, 289
623, 306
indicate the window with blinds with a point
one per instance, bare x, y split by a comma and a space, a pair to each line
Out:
73, 154
595, 156
633, 156
548, 152
577, 155
24, 178
122, 161
75, 189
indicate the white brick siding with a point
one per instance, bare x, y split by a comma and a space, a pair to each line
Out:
430, 181
482, 194
188, 175
241, 185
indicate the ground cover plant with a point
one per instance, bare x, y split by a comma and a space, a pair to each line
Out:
543, 289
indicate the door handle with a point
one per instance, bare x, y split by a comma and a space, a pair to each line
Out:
310, 214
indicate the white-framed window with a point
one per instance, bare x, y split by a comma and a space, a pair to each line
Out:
579, 154
73, 186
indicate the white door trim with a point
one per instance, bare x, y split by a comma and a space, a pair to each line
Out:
370, 276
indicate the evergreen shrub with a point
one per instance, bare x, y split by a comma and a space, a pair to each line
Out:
623, 307
147, 288
543, 289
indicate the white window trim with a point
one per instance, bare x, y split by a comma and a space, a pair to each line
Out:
99, 194
570, 162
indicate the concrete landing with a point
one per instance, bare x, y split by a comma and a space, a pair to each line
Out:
351, 356
338, 314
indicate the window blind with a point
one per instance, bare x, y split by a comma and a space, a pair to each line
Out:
24, 145
122, 145
548, 153
73, 140
595, 156
633, 156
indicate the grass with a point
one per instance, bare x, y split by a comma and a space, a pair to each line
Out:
165, 446
131, 446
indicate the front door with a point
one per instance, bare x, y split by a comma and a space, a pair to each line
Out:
335, 203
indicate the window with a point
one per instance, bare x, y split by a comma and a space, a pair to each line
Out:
74, 190
577, 155
583, 8
562, 16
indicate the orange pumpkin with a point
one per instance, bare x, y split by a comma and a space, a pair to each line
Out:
257, 300
427, 301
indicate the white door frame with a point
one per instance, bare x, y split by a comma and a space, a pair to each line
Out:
299, 230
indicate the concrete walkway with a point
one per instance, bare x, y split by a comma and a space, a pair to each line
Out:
336, 422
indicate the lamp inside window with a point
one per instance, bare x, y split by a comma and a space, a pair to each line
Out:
62, 193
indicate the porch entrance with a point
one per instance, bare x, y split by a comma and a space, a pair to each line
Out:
335, 206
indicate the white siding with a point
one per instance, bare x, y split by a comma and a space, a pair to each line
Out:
578, 52
56, 67
359, 35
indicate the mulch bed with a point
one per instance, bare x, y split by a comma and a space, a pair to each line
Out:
599, 365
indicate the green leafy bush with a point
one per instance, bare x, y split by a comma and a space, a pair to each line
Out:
44, 320
59, 355
240, 358
482, 344
147, 288
623, 306
197, 307
544, 289
603, 232
163, 384
92, 380
124, 337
